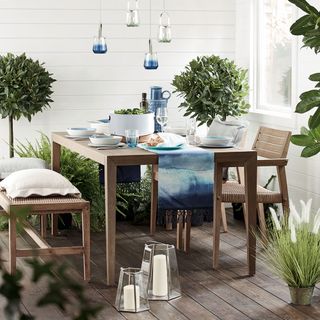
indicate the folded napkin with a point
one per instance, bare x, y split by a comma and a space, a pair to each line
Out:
171, 139
232, 128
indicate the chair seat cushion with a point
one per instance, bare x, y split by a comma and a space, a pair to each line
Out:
235, 193
8, 166
37, 182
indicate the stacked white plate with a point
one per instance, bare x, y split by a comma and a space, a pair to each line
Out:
104, 141
213, 141
80, 132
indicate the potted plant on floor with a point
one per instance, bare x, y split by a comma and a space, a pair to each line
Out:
292, 251
25, 89
212, 87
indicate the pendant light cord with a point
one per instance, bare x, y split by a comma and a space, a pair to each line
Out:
100, 9
149, 19
164, 5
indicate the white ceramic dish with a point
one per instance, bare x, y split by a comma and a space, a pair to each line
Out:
107, 146
101, 127
80, 132
215, 141
104, 140
144, 123
229, 145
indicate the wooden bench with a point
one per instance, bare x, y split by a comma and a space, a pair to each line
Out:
43, 206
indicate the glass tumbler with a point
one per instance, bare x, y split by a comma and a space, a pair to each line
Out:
132, 137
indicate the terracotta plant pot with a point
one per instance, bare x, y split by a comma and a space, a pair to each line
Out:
301, 296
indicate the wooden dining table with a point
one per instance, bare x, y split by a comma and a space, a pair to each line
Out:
112, 158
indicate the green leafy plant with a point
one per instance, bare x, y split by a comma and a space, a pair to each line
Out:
25, 89
308, 26
212, 87
130, 111
293, 248
61, 291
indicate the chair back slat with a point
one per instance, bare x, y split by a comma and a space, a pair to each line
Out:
272, 143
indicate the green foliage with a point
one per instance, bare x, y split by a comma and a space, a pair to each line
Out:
212, 87
25, 87
62, 290
308, 27
296, 262
130, 111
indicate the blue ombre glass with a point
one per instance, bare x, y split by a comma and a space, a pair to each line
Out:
151, 59
99, 43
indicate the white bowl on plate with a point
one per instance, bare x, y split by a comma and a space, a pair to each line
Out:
80, 132
216, 141
105, 140
101, 127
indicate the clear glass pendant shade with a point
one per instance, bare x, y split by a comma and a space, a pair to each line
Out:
151, 58
133, 19
164, 32
99, 42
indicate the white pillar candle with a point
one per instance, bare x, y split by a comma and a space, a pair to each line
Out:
160, 276
128, 297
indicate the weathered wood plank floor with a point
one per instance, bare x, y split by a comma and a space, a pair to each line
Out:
207, 294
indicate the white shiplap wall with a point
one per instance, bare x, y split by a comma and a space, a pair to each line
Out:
89, 86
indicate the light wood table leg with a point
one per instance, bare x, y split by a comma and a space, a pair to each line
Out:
217, 213
251, 204
154, 200
12, 242
110, 174
55, 165
85, 215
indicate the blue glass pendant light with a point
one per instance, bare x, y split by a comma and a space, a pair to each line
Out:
99, 42
150, 58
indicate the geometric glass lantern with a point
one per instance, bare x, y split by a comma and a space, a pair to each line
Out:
131, 293
160, 271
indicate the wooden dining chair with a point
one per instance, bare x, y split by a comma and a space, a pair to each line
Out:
272, 148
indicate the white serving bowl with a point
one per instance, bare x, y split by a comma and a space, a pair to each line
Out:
144, 123
105, 140
79, 132
216, 141
101, 127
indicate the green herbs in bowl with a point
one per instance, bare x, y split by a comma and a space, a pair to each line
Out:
129, 111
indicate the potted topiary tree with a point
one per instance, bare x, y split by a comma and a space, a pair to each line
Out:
25, 89
212, 87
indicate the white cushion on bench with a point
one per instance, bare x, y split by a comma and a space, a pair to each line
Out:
40, 182
8, 166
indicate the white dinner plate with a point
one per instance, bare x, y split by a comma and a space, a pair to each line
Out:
111, 146
211, 145
161, 147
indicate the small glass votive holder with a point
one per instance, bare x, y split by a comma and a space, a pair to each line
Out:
160, 271
131, 293
99, 45
151, 61
191, 129
132, 137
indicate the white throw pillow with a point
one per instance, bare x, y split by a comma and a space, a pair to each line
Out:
8, 166
40, 182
